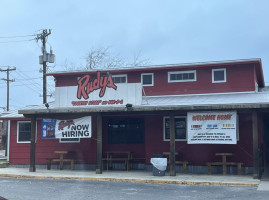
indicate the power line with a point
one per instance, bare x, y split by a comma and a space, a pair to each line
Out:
17, 36
8, 80
34, 84
17, 41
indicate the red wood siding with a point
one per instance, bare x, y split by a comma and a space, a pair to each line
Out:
198, 154
20, 153
240, 78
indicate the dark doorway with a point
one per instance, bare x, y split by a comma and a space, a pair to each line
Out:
126, 131
266, 139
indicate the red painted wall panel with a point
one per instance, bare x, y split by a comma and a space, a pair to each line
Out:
198, 154
240, 78
20, 153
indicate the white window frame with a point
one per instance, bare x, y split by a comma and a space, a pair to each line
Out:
213, 78
167, 117
25, 142
121, 75
182, 72
152, 79
61, 141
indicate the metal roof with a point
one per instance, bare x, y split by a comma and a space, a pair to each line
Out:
160, 103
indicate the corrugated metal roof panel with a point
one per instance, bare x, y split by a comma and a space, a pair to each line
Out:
161, 102
214, 99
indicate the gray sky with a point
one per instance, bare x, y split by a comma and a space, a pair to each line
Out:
164, 31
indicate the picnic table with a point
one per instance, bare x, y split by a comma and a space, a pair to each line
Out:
117, 156
225, 163
61, 160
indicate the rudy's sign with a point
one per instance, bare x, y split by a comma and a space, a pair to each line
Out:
98, 89
73, 128
212, 127
86, 86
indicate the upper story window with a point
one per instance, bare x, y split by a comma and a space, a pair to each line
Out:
119, 78
218, 75
180, 129
23, 132
181, 76
147, 79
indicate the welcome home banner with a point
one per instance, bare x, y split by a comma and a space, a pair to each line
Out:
71, 128
212, 127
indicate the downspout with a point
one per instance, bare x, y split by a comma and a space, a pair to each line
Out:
8, 139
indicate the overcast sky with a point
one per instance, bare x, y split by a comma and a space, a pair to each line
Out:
164, 31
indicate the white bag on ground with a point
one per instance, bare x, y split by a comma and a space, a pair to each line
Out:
159, 163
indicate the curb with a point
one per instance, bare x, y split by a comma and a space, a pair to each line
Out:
204, 183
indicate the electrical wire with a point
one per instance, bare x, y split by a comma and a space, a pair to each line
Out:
17, 36
17, 41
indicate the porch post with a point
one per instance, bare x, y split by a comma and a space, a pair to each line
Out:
172, 145
33, 140
255, 145
99, 145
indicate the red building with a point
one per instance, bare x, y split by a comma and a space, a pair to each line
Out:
205, 108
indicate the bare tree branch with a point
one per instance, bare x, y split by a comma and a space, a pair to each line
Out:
102, 58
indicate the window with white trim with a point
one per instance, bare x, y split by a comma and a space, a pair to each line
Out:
180, 128
69, 140
182, 76
119, 78
23, 132
218, 75
147, 79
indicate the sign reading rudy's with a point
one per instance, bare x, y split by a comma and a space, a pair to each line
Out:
98, 89
72, 128
212, 127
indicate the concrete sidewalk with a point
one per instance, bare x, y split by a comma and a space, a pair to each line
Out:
133, 176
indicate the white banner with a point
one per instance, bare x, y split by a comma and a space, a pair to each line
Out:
212, 127
73, 128
98, 90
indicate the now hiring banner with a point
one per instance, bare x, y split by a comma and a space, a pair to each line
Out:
71, 128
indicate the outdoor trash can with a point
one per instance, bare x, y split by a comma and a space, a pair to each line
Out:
159, 163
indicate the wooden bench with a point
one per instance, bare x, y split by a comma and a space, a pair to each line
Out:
178, 162
60, 161
224, 166
136, 160
184, 165
110, 160
117, 156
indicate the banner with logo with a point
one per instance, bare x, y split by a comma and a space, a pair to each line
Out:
212, 127
98, 90
71, 128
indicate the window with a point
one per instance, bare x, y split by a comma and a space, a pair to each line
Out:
24, 132
147, 79
69, 140
181, 76
119, 78
180, 128
218, 75
126, 131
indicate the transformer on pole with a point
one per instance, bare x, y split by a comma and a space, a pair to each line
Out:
43, 59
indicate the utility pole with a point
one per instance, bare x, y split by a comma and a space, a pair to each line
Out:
8, 80
46, 57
